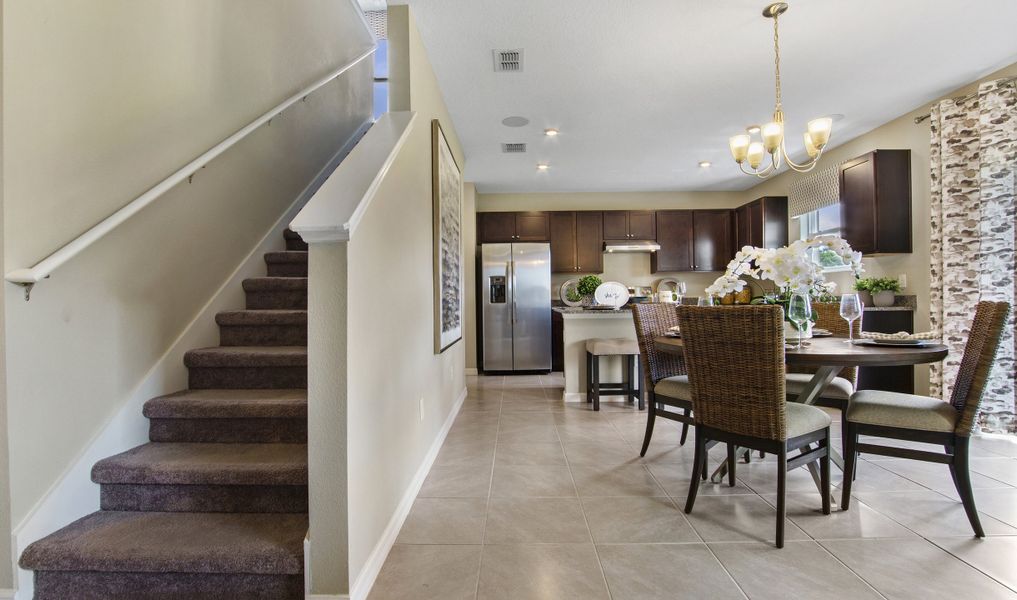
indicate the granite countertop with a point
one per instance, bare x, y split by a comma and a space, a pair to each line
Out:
901, 303
582, 310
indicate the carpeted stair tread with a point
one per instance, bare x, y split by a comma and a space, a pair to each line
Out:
262, 284
261, 317
229, 404
287, 256
247, 356
205, 464
166, 542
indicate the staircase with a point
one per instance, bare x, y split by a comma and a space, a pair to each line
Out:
215, 506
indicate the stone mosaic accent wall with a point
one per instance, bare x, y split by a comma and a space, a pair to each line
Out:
974, 159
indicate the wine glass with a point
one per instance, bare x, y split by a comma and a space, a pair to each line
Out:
679, 290
850, 310
706, 300
799, 311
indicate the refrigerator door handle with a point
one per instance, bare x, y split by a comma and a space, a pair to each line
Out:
512, 271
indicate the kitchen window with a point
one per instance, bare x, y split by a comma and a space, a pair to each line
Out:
823, 222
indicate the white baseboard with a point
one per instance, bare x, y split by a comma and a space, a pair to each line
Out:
369, 573
7, 594
573, 397
74, 495
326, 597
472, 371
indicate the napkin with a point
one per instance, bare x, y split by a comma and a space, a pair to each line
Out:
900, 335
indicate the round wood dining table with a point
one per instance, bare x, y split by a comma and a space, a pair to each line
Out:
829, 355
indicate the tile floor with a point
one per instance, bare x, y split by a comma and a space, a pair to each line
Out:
533, 498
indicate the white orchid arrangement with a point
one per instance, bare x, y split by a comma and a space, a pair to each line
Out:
790, 268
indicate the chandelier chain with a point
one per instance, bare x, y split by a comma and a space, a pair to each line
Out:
776, 60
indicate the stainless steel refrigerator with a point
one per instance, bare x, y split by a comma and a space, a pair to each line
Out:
516, 282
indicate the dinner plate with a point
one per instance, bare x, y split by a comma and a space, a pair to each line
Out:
821, 333
897, 343
611, 293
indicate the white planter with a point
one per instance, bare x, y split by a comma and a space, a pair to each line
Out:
883, 299
791, 333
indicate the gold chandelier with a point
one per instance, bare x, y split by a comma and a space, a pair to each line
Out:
745, 149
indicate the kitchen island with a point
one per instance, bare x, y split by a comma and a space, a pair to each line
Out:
581, 324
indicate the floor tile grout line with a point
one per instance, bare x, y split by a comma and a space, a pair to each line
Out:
487, 504
852, 571
960, 558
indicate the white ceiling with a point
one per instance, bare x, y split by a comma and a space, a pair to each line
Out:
642, 91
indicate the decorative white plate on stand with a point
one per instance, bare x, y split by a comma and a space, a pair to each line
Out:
611, 293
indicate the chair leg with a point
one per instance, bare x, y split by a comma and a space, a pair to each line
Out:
731, 462
596, 383
651, 416
781, 494
963, 479
685, 428
824, 472
589, 378
627, 376
698, 470
850, 464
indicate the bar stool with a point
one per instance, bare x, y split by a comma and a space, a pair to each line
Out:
595, 348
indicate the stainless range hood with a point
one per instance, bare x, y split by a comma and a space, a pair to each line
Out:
632, 246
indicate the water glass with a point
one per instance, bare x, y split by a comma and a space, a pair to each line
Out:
799, 312
850, 311
705, 301
679, 290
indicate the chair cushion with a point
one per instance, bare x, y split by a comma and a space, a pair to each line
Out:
803, 418
612, 346
907, 411
838, 389
674, 387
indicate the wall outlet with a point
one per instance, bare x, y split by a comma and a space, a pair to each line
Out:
452, 372
421, 409
903, 280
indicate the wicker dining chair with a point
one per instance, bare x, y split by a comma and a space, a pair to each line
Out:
735, 358
907, 417
665, 378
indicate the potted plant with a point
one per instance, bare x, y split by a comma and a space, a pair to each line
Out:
583, 290
881, 290
791, 269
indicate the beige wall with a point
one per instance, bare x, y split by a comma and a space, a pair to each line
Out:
901, 133
104, 99
470, 254
6, 560
393, 367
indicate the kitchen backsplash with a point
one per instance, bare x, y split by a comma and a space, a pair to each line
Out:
633, 269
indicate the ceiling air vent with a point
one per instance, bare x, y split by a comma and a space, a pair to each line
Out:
508, 60
514, 148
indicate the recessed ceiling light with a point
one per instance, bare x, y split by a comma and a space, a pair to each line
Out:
551, 132
705, 163
543, 166
753, 129
515, 121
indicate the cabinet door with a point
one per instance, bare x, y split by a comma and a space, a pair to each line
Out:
563, 242
858, 203
589, 242
756, 224
616, 225
532, 227
743, 226
642, 225
774, 221
496, 227
712, 243
674, 234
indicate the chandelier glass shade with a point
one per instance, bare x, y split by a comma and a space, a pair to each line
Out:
748, 149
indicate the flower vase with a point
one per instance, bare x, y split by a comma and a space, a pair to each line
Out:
791, 332
883, 299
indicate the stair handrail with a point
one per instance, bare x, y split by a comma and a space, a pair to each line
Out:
28, 277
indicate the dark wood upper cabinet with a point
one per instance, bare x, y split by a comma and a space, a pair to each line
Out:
577, 245
616, 225
674, 234
642, 225
712, 239
590, 242
875, 201
630, 225
513, 227
762, 223
532, 227
563, 242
